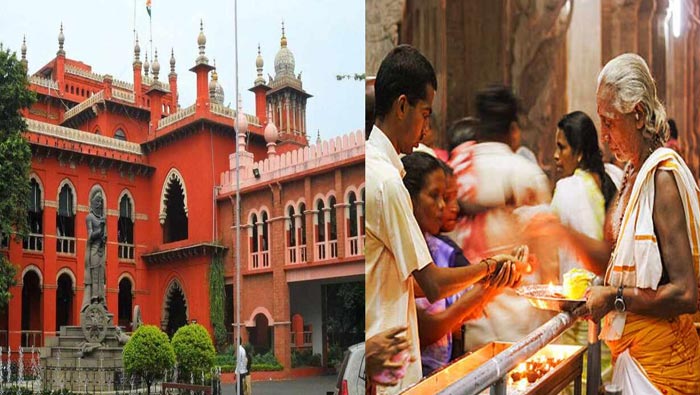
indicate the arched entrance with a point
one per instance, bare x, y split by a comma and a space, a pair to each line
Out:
175, 309
64, 301
260, 335
31, 309
125, 305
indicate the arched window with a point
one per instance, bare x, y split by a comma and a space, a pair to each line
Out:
64, 301
333, 232
265, 232
302, 233
65, 221
125, 229
175, 224
352, 214
320, 221
35, 219
254, 238
120, 135
362, 212
291, 227
125, 302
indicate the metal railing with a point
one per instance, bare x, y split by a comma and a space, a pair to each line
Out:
33, 242
30, 338
126, 251
65, 245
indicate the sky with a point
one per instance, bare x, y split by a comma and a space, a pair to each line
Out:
325, 36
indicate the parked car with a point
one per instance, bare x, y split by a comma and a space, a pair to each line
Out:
351, 376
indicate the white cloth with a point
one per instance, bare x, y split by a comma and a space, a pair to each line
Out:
636, 260
395, 248
579, 204
615, 174
424, 148
241, 361
506, 180
630, 376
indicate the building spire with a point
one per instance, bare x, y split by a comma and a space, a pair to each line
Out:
155, 66
172, 61
259, 66
283, 41
146, 65
24, 52
318, 136
61, 40
137, 50
202, 42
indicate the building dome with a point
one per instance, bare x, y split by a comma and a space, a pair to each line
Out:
284, 60
271, 133
216, 92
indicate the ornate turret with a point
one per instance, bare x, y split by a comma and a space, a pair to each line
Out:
156, 66
137, 51
146, 66
284, 60
202, 42
24, 53
172, 61
216, 92
259, 66
61, 40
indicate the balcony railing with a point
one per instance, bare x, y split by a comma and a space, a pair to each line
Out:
334, 248
260, 260
65, 245
32, 338
296, 254
33, 242
355, 245
306, 339
320, 250
126, 251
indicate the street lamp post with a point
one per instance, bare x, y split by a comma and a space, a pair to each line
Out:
240, 134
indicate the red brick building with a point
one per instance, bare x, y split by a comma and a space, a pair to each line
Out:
165, 173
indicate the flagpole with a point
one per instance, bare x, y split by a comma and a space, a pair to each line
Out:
238, 204
134, 20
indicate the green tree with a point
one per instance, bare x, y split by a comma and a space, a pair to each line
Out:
194, 351
15, 159
216, 300
148, 354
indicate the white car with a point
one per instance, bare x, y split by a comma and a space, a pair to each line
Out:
351, 377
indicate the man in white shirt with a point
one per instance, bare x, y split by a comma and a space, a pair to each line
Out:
241, 368
396, 251
505, 183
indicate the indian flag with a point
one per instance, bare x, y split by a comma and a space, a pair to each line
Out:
148, 7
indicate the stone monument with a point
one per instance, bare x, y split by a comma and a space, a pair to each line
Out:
88, 357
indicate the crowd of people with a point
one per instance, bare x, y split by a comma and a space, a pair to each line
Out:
452, 233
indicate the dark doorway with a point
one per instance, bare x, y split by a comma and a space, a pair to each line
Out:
260, 335
64, 301
31, 310
175, 225
125, 298
177, 311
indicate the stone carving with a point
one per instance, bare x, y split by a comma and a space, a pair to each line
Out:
137, 321
95, 255
382, 18
94, 324
122, 338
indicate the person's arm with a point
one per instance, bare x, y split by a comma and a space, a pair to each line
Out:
433, 326
382, 347
680, 295
594, 254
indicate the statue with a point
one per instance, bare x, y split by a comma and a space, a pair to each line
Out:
95, 255
137, 320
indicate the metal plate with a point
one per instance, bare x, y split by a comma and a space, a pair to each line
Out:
548, 297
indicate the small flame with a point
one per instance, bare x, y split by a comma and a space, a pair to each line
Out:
550, 288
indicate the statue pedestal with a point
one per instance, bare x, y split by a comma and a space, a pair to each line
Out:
70, 361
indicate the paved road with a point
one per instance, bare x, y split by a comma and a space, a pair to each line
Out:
304, 386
